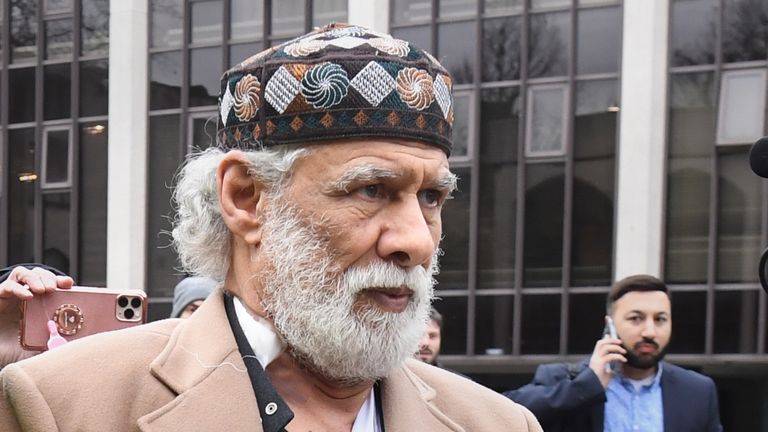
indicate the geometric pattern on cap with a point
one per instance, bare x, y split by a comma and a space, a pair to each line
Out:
374, 83
281, 89
443, 95
347, 42
226, 105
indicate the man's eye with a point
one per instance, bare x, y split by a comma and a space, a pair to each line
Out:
430, 197
370, 191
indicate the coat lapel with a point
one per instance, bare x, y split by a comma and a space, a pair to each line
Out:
203, 367
407, 405
669, 398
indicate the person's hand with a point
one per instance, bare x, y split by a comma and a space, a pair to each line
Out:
606, 350
22, 284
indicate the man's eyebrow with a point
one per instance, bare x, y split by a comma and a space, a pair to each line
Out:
360, 174
448, 182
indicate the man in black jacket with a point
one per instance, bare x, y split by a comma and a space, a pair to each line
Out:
625, 385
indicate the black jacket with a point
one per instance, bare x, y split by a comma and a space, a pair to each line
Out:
569, 397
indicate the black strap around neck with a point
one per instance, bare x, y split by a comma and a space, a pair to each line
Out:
275, 413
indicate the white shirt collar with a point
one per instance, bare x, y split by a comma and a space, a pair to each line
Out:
261, 334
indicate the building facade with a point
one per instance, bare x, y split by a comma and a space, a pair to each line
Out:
594, 139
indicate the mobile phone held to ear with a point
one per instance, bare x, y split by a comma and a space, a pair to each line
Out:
79, 312
610, 330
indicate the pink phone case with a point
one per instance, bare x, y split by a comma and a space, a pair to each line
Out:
79, 312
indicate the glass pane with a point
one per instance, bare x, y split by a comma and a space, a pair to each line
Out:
165, 80
56, 91
541, 4
507, 6
204, 73
57, 157
411, 11
247, 19
745, 30
547, 121
454, 265
240, 52
594, 163
457, 8
585, 322
21, 192
548, 44
692, 28
543, 246
736, 322
207, 19
739, 217
691, 130
540, 324
56, 214
689, 318
203, 132
742, 105
598, 40
597, 2
21, 95
287, 17
164, 160
92, 245
500, 113
58, 39
57, 6
462, 114
501, 49
167, 27
328, 11
23, 31
494, 324
457, 47
418, 36
454, 334
94, 28
94, 88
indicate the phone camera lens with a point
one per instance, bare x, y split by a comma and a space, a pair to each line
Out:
122, 301
136, 302
129, 313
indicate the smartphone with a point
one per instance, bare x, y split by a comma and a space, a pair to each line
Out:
79, 312
610, 330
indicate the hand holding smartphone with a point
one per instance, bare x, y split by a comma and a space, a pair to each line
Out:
79, 312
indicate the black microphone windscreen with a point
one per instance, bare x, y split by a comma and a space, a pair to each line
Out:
758, 157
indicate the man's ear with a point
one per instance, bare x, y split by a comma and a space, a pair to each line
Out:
241, 197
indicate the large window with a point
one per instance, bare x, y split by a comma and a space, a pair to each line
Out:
716, 218
191, 43
529, 236
53, 134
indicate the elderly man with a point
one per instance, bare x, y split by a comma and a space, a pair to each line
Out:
320, 210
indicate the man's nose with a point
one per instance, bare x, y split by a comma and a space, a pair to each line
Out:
649, 329
406, 237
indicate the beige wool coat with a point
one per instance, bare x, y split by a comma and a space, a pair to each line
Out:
187, 375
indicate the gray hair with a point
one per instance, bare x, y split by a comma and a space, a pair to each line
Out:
200, 236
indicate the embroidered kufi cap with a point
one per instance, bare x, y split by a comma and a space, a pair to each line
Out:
337, 82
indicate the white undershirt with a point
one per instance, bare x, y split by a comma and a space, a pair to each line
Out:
267, 345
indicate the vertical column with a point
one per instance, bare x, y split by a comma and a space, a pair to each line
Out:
642, 138
126, 202
373, 14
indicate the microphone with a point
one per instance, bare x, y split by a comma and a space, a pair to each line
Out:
758, 157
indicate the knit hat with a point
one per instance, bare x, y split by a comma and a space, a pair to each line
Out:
190, 290
337, 82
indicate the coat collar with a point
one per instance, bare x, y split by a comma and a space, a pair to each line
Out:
202, 366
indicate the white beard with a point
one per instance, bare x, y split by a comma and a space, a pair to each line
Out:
313, 302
